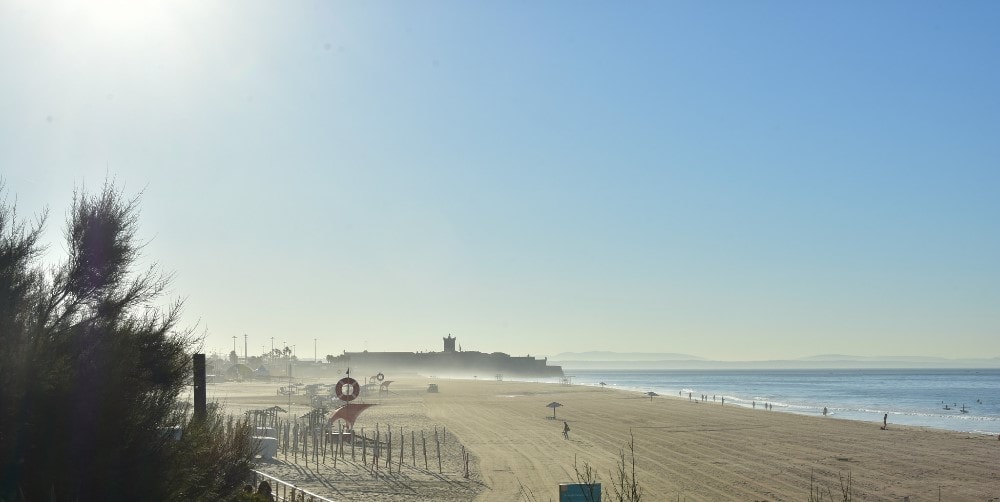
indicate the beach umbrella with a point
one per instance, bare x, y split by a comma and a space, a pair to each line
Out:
553, 405
651, 394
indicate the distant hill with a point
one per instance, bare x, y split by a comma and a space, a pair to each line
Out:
623, 356
842, 357
637, 360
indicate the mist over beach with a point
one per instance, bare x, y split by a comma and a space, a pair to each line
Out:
449, 251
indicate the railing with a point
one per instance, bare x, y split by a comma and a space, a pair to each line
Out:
286, 491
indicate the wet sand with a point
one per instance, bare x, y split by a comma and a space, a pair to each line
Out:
683, 449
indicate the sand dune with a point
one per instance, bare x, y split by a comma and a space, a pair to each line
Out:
683, 449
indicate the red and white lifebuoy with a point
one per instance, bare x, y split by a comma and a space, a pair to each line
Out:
352, 393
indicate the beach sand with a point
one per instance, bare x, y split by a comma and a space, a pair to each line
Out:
684, 449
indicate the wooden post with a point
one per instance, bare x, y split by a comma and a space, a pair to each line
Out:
353, 440
341, 428
388, 449
200, 403
438, 444
402, 441
424, 441
378, 447
364, 447
340, 443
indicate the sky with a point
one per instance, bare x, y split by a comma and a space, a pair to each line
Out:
732, 180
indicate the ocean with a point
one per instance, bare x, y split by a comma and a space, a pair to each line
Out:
924, 397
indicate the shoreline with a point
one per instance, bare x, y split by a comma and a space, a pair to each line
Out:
912, 411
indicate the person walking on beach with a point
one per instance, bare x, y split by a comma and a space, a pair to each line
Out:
885, 421
565, 430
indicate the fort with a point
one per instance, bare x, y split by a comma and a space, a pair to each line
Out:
450, 362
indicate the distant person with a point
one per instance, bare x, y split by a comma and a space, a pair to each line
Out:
723, 400
264, 490
755, 405
824, 411
885, 421
565, 430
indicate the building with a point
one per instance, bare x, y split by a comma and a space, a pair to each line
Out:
449, 362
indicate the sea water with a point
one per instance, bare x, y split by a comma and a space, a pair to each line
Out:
909, 397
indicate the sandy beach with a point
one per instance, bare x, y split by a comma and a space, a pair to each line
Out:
684, 449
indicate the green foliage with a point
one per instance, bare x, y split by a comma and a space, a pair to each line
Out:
92, 369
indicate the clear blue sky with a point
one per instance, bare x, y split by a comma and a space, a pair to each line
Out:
735, 180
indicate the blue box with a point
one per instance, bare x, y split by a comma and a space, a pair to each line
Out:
575, 492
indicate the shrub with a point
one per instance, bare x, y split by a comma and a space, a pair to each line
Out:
92, 369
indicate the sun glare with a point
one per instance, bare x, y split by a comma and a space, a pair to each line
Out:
121, 21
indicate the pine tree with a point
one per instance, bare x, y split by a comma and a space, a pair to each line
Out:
91, 370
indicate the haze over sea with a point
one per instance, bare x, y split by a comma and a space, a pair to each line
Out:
914, 397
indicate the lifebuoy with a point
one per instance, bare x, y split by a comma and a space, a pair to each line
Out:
380, 377
353, 393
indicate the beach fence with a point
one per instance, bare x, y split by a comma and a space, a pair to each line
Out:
286, 491
382, 450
